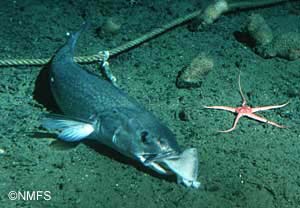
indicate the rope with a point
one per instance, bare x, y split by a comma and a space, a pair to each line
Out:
112, 52
115, 51
250, 4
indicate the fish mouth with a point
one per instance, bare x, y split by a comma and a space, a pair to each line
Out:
184, 165
150, 158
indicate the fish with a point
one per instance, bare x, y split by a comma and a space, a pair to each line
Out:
93, 108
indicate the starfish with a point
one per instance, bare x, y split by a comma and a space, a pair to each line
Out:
248, 111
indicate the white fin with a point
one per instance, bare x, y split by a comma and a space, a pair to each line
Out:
186, 167
69, 130
152, 165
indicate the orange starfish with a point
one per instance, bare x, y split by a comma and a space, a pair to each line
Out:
248, 111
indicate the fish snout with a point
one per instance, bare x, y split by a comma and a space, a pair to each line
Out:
184, 165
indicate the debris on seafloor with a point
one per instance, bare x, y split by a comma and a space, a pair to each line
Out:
267, 44
286, 45
259, 30
210, 13
193, 75
111, 26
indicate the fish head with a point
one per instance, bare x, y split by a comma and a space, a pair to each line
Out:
145, 139
136, 135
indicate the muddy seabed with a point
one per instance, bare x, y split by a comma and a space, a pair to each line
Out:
257, 165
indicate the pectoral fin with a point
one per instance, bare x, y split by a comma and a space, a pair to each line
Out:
70, 130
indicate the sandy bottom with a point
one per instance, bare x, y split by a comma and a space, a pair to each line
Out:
257, 165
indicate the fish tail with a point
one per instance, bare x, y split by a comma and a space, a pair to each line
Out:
74, 37
66, 53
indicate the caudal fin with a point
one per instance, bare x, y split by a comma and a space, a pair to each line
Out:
67, 51
74, 36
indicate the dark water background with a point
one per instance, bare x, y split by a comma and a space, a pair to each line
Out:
257, 165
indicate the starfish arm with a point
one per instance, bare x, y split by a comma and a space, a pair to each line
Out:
237, 118
263, 108
231, 109
264, 120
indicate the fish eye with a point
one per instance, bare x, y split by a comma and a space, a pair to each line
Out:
144, 135
161, 141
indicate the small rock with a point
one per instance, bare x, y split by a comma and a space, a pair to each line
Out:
193, 75
259, 30
285, 45
111, 26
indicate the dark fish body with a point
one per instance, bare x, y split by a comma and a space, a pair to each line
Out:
80, 93
103, 112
